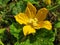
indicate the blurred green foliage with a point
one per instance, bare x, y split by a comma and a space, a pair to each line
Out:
1, 43
42, 37
57, 25
11, 32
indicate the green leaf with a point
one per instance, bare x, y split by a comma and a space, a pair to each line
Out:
42, 37
19, 7
33, 1
58, 2
12, 5
57, 25
4, 3
17, 43
2, 30
15, 31
27, 42
0, 2
1, 43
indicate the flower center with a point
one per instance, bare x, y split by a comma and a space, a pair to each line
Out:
33, 22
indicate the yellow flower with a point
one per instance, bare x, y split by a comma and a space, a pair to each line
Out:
33, 19
48, 2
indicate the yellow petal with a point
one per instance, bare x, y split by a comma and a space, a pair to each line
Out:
21, 18
32, 9
45, 24
28, 13
28, 30
42, 14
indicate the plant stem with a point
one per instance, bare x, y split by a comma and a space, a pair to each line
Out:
54, 7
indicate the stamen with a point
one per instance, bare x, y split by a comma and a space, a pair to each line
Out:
33, 21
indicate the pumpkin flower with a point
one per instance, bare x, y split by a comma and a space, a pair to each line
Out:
33, 19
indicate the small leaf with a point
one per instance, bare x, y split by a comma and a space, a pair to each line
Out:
2, 30
58, 1
17, 43
57, 25
15, 31
1, 43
